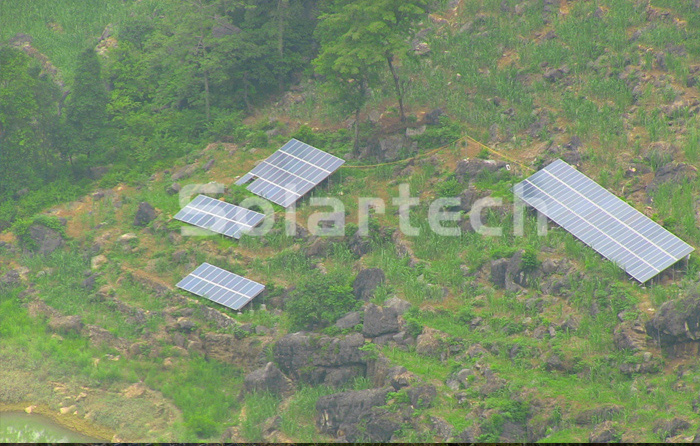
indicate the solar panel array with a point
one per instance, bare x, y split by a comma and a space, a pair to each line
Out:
602, 221
221, 286
219, 216
291, 172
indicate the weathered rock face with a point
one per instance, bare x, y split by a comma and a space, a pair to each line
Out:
471, 168
379, 321
676, 322
66, 324
512, 274
670, 428
349, 320
606, 432
47, 240
10, 279
602, 413
315, 359
246, 352
144, 214
268, 379
630, 335
367, 282
340, 414
184, 172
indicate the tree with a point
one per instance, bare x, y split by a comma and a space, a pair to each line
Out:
357, 38
86, 108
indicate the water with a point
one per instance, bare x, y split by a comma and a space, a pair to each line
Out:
20, 427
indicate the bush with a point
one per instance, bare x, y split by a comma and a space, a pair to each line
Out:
530, 261
319, 301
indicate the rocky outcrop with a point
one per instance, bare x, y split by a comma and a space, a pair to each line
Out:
268, 379
630, 335
513, 274
676, 322
10, 279
367, 282
606, 432
144, 214
670, 428
246, 352
46, 240
353, 415
184, 172
66, 324
319, 359
597, 415
471, 168
379, 321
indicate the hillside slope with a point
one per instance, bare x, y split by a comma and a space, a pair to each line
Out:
394, 337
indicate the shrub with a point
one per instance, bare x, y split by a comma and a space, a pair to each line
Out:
530, 261
319, 301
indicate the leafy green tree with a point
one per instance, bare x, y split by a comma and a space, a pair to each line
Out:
319, 301
359, 37
86, 108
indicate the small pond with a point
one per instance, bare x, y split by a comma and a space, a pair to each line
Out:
20, 427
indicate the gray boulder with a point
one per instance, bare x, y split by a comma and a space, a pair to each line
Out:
367, 282
10, 279
349, 320
66, 324
320, 359
677, 321
379, 321
46, 239
268, 379
606, 432
341, 412
144, 214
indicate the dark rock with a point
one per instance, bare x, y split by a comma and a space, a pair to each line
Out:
184, 172
379, 321
513, 432
606, 432
598, 414
315, 359
318, 247
66, 324
10, 279
208, 165
268, 379
468, 197
173, 189
359, 244
471, 168
367, 282
498, 272
186, 324
350, 320
47, 240
399, 305
144, 214
245, 352
179, 256
433, 117
89, 283
555, 74
466, 436
341, 412
670, 428
421, 396
661, 60
676, 322
441, 428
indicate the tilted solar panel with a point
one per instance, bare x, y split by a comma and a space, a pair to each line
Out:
602, 221
221, 286
291, 172
219, 216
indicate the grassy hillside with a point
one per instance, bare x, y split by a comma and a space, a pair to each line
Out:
564, 356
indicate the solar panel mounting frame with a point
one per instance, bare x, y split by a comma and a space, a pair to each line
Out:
291, 172
219, 216
602, 221
221, 286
